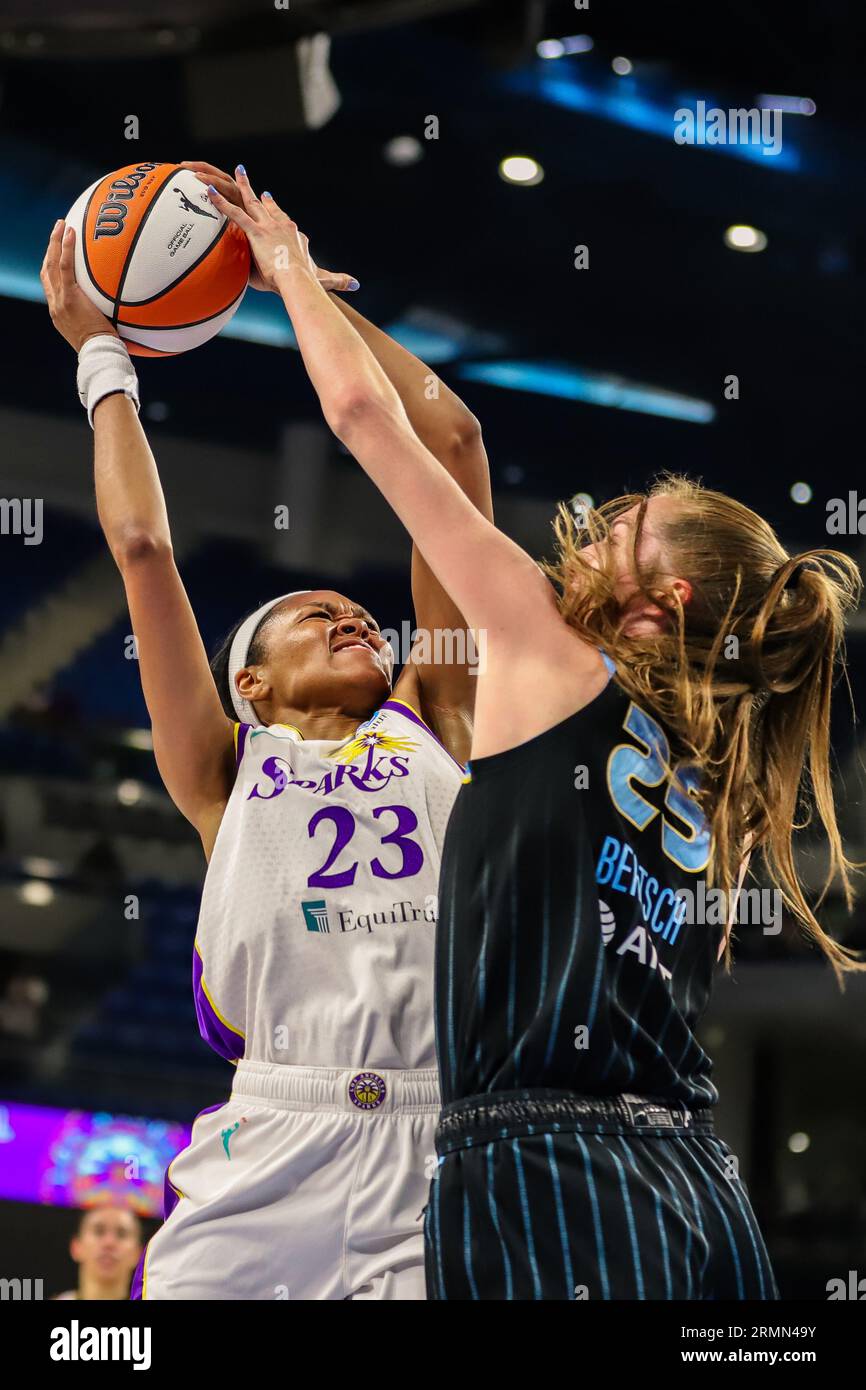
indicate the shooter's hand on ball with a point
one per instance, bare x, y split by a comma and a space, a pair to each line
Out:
231, 191
71, 311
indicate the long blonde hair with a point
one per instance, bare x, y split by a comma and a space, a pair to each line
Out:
741, 677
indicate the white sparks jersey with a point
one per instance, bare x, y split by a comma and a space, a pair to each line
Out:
317, 923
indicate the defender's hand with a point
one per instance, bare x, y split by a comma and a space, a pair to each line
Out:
210, 175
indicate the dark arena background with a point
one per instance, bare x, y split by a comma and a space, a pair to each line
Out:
622, 305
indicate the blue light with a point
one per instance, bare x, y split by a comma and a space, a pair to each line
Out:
625, 101
429, 344
261, 319
21, 284
263, 322
571, 383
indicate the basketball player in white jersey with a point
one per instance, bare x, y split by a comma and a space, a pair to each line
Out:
321, 795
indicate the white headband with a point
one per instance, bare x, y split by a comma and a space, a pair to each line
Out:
239, 654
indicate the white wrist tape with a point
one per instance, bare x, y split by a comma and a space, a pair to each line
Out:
105, 367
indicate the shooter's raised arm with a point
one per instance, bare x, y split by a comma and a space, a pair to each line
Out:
192, 738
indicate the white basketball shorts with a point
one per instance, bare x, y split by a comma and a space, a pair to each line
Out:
309, 1183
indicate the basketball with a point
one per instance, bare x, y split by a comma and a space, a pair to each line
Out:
157, 258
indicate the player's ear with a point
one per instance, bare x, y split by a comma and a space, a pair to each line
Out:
684, 589
250, 684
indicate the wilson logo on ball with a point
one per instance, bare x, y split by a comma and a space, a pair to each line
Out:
155, 256
109, 218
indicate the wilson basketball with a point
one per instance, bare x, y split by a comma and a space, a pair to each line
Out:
156, 257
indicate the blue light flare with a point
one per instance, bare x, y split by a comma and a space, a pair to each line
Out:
574, 384
628, 101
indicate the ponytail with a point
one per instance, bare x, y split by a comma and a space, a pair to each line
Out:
798, 638
742, 678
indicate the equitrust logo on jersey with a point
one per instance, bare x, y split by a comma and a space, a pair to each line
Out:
346, 921
316, 916
77, 1343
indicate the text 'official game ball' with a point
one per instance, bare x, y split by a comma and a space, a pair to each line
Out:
156, 257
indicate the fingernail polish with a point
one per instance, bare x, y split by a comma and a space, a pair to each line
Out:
211, 189
267, 195
353, 284
241, 170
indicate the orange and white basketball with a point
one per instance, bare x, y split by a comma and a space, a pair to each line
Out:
156, 257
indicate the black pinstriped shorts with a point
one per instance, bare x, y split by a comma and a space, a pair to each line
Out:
549, 1195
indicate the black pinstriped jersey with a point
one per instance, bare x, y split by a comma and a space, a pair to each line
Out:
569, 952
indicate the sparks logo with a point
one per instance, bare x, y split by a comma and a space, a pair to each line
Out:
316, 916
368, 742
367, 1090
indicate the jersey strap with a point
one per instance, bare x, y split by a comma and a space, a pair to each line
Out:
240, 732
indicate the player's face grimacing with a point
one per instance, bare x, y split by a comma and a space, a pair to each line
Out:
644, 618
323, 651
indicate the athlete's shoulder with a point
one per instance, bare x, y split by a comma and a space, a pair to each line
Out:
400, 717
246, 735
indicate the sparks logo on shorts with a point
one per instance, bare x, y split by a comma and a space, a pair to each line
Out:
226, 1134
316, 916
367, 1090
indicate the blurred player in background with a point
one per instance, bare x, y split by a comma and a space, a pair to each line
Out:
106, 1247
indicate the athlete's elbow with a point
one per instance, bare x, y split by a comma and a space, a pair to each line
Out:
356, 413
461, 442
139, 545
466, 433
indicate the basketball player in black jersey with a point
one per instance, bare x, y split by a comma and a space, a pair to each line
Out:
627, 757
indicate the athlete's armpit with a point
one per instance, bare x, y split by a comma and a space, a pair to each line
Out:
452, 727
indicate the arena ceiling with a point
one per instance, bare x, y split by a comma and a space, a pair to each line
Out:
451, 254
